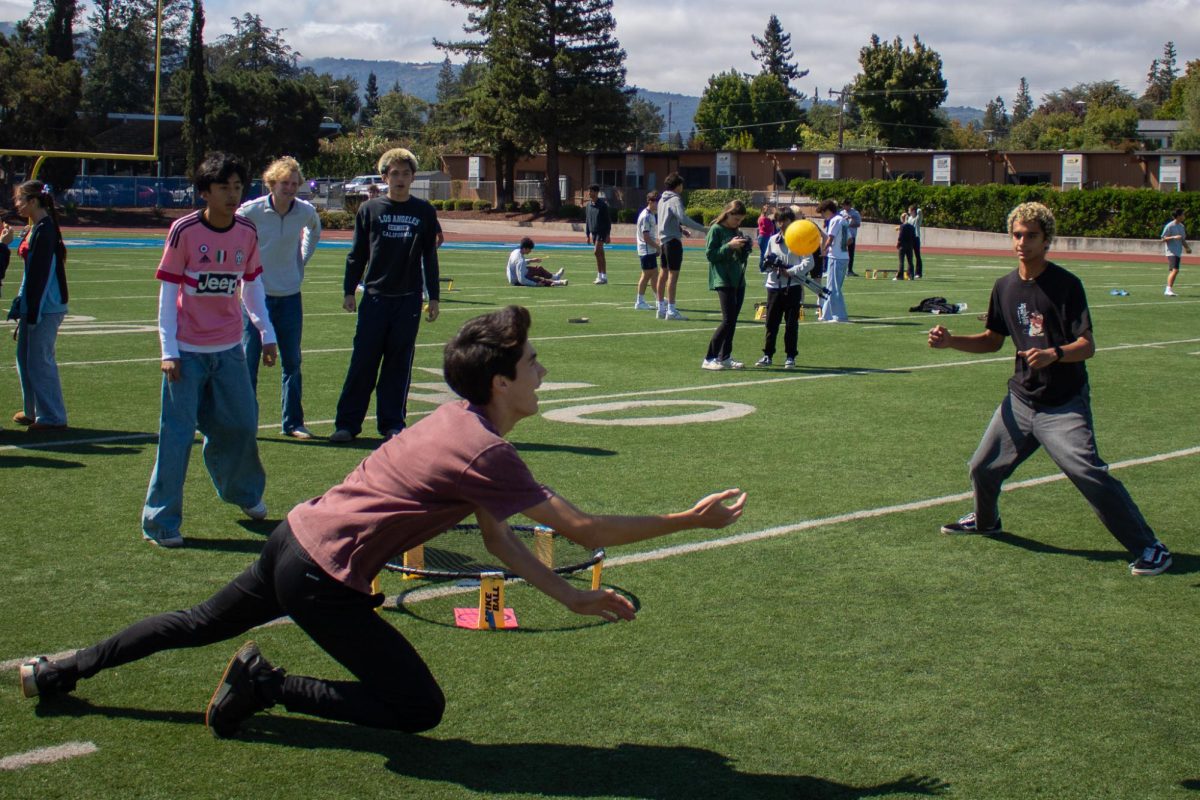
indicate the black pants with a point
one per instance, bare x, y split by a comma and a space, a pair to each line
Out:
386, 332
783, 305
850, 252
905, 253
395, 688
731, 300
917, 251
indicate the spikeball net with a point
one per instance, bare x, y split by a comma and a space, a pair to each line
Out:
460, 554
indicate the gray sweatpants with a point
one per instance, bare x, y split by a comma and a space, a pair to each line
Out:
1014, 434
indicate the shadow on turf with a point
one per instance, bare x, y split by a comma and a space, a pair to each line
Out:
50, 441
543, 769
12, 462
1181, 563
1193, 784
529, 447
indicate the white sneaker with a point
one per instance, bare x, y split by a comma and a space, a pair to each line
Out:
729, 363
256, 511
600, 280
789, 364
299, 432
1170, 292
673, 314
712, 364
169, 540
661, 312
642, 305
558, 283
558, 275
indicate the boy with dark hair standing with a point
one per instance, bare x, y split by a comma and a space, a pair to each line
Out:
672, 224
647, 249
395, 242
210, 254
318, 565
597, 225
1044, 309
1174, 238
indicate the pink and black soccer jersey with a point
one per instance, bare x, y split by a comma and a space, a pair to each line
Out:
209, 264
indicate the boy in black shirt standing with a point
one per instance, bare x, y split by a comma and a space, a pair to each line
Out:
395, 241
1044, 309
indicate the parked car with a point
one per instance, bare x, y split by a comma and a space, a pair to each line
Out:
358, 184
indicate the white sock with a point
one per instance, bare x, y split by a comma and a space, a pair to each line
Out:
670, 308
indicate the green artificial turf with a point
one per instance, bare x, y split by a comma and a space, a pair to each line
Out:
857, 653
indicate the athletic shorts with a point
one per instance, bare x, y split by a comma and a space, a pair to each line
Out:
1173, 262
649, 261
673, 252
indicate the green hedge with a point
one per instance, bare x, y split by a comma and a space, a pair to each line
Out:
707, 214
464, 205
481, 205
570, 211
627, 215
438, 205
336, 220
1109, 212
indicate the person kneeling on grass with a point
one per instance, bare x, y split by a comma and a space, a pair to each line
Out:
525, 271
1044, 309
318, 565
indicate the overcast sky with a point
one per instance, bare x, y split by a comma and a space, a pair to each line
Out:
673, 46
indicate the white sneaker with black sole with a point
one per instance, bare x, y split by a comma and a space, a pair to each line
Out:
1155, 560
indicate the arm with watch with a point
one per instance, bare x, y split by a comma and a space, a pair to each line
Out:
1081, 349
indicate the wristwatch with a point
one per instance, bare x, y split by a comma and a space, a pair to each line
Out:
1058, 353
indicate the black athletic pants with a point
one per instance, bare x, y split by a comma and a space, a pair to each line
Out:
731, 298
850, 252
783, 305
905, 253
917, 252
395, 688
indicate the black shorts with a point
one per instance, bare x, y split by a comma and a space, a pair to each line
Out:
1173, 262
673, 254
649, 261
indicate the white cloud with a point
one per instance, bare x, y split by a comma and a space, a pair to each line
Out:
675, 45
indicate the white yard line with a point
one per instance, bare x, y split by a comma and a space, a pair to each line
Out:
430, 593
46, 755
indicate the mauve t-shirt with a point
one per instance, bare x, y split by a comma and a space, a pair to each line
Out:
415, 486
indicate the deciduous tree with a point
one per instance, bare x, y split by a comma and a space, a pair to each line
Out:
900, 90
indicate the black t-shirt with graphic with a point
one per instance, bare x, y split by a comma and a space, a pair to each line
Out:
1049, 311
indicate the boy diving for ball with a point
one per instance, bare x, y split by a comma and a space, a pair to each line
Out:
318, 564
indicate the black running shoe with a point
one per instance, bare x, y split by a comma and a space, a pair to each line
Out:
1155, 560
966, 524
41, 677
240, 694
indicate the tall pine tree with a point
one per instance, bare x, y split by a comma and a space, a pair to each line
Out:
370, 108
1022, 105
775, 56
557, 73
195, 103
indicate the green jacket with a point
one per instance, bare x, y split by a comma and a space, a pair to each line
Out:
726, 265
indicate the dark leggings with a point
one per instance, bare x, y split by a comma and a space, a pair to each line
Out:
395, 688
783, 305
731, 299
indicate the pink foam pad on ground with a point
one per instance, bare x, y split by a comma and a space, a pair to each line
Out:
468, 617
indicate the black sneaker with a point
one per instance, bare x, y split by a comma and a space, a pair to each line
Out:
966, 524
242, 692
1155, 560
41, 677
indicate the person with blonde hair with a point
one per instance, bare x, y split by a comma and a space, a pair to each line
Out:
395, 244
288, 231
727, 251
1043, 308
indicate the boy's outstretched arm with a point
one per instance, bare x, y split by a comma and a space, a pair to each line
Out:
591, 530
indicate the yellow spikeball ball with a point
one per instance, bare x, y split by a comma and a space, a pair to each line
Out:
802, 237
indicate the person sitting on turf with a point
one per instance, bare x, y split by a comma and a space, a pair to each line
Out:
318, 565
525, 271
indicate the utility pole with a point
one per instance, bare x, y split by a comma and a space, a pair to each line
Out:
841, 96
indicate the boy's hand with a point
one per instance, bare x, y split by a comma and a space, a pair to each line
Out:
939, 337
349, 303
712, 512
432, 310
1038, 358
602, 603
270, 353
170, 368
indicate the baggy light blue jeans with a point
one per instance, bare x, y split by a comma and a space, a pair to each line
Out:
1015, 433
41, 389
287, 317
212, 395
